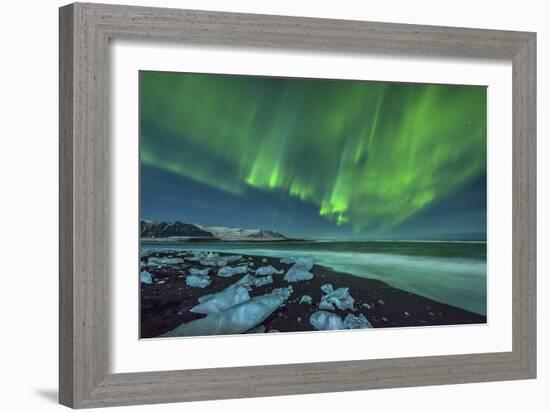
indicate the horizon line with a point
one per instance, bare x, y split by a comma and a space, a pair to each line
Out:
308, 237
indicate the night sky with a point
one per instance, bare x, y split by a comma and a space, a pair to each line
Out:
314, 158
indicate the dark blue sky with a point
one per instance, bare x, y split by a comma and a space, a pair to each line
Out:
168, 196
313, 157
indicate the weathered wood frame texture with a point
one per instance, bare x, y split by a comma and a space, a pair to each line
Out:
85, 31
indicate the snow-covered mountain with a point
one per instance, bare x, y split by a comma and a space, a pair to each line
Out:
151, 229
163, 230
229, 233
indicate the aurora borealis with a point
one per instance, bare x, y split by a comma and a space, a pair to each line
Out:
326, 158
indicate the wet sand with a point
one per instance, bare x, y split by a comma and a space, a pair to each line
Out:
165, 304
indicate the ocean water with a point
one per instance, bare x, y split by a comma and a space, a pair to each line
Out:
450, 272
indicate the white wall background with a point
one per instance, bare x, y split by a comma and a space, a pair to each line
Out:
28, 206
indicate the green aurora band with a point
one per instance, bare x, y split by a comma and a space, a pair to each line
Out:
371, 154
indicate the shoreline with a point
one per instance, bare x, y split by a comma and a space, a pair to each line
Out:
165, 304
193, 239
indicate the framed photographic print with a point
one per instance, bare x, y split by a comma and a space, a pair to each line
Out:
333, 182
257, 205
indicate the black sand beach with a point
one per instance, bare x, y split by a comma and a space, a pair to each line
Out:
166, 303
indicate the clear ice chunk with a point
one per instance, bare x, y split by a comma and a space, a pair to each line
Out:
284, 292
196, 281
228, 271
306, 300
322, 320
288, 260
199, 272
237, 319
300, 270
218, 302
164, 261
268, 270
257, 329
146, 277
356, 322
339, 298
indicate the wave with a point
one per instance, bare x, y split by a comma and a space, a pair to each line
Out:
456, 281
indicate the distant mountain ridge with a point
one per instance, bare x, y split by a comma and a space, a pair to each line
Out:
160, 230
171, 229
222, 232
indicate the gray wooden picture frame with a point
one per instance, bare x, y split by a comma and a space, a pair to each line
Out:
85, 32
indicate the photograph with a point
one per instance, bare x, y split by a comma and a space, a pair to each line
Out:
271, 204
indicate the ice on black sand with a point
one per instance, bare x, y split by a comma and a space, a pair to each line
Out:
306, 300
228, 271
300, 270
237, 319
145, 277
198, 281
323, 320
339, 298
218, 302
268, 270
